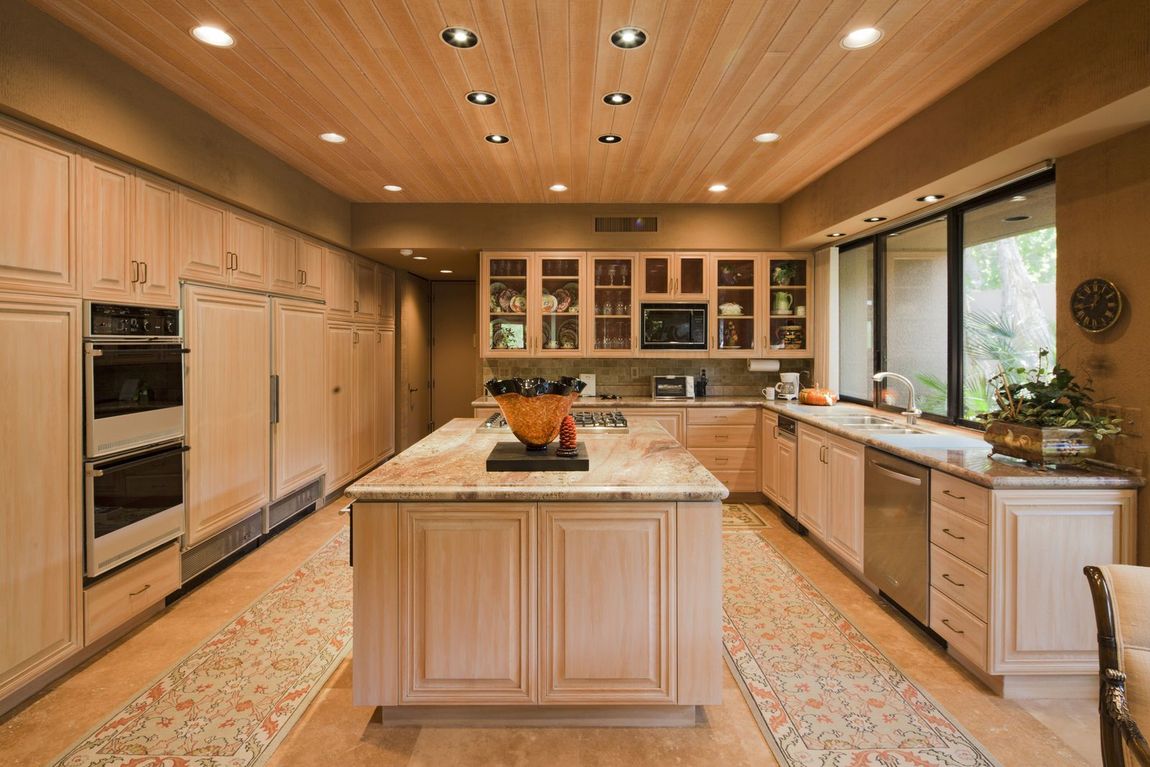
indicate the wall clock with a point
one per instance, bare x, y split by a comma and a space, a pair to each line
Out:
1096, 304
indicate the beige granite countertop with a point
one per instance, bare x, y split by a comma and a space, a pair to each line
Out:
646, 464
631, 402
973, 464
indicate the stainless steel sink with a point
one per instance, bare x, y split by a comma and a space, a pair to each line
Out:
857, 419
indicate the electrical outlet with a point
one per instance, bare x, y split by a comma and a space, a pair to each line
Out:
634, 372
1132, 418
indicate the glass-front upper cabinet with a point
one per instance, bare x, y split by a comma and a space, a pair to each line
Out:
506, 280
674, 276
788, 305
557, 303
614, 309
737, 296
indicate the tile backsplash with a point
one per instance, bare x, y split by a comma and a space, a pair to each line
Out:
632, 376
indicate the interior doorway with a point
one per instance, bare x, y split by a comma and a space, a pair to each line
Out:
415, 360
454, 351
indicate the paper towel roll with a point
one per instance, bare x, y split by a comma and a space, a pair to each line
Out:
763, 366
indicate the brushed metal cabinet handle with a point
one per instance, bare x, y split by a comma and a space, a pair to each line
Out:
135, 269
952, 580
946, 621
952, 535
144, 269
955, 497
141, 591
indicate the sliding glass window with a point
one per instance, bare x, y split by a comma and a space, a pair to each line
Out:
856, 320
951, 300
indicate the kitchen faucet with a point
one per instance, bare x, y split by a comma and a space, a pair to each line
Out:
912, 413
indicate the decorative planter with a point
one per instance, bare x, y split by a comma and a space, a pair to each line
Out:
535, 407
1045, 446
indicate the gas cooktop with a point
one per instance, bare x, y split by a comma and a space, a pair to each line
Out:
593, 421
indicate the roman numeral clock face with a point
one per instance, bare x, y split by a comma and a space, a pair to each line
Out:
1096, 304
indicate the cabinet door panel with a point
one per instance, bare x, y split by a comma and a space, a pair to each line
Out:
339, 283
40, 508
283, 265
310, 260
467, 605
249, 241
37, 252
227, 381
385, 394
365, 358
301, 427
203, 240
845, 499
788, 474
105, 221
769, 454
154, 241
340, 406
691, 276
655, 275
607, 567
366, 290
812, 485
387, 297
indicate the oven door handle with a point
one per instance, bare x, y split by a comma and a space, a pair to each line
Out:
94, 472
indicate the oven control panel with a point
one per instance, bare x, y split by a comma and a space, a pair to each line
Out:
105, 320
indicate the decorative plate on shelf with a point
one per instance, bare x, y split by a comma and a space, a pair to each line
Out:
550, 303
518, 303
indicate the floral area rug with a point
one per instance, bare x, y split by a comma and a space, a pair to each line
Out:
822, 693
231, 701
741, 516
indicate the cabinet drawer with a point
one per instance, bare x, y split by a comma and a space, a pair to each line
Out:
962, 496
118, 598
960, 535
721, 436
721, 459
959, 581
738, 481
961, 630
718, 416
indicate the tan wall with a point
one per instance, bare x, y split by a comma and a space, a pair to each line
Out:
55, 78
1023, 109
524, 227
1103, 205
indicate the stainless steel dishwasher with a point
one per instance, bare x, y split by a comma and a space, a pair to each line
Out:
896, 531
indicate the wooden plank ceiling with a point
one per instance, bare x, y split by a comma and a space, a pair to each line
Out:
713, 74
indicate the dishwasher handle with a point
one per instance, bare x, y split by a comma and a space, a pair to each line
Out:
897, 475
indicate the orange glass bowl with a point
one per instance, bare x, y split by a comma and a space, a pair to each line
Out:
535, 407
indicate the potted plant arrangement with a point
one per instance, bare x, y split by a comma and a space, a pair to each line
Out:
1046, 417
784, 273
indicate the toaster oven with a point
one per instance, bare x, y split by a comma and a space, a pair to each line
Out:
673, 387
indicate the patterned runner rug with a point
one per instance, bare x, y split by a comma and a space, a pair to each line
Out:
822, 693
231, 701
740, 516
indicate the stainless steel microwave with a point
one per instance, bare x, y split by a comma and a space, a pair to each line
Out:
673, 326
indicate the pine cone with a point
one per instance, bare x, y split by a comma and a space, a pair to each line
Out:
567, 434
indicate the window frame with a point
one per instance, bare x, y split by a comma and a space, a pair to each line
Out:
954, 216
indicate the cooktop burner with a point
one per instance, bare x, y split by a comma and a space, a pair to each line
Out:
595, 421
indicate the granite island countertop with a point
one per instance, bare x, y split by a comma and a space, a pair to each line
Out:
645, 464
973, 463
731, 400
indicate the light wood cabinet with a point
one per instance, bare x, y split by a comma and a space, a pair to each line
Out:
613, 305
788, 305
222, 246
227, 378
468, 603
366, 304
113, 601
624, 555
384, 393
127, 233
769, 454
812, 480
299, 426
340, 405
283, 261
674, 420
387, 297
41, 544
310, 257
249, 239
830, 491
736, 298
37, 237
788, 475
726, 441
339, 283
554, 308
673, 276
365, 356
505, 303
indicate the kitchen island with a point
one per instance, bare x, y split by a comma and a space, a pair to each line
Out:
564, 598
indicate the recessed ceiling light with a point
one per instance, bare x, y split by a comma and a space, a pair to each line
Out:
861, 38
617, 99
558, 187
837, 234
874, 219
393, 188
717, 188
213, 36
405, 251
445, 271
930, 198
333, 138
419, 258
1013, 219
767, 138
459, 37
496, 138
482, 98
1018, 198
628, 37
610, 138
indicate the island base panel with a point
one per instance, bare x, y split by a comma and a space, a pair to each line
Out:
537, 716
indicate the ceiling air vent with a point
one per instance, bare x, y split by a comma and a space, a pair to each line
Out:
626, 223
